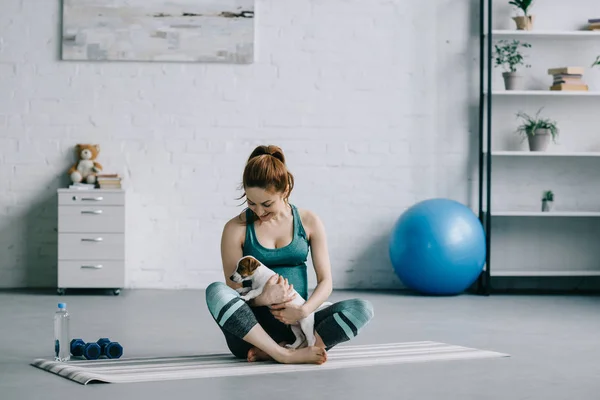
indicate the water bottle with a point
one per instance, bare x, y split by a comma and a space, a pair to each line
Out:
61, 334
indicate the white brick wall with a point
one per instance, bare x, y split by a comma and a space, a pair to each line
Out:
374, 106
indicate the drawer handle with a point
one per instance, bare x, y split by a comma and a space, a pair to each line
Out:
92, 198
92, 266
91, 239
92, 212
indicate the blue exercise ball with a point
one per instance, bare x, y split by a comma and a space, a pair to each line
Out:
437, 247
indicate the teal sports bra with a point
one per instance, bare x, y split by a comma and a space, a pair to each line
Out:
288, 261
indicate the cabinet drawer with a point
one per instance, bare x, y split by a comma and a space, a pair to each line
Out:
91, 219
91, 197
91, 246
91, 274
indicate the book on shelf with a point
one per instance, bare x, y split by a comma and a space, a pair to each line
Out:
594, 24
568, 78
566, 70
564, 86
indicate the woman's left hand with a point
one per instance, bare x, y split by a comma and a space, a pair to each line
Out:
288, 313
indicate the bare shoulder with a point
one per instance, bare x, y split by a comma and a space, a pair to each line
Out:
311, 222
236, 227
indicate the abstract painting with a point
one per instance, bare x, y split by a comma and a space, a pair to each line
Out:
159, 30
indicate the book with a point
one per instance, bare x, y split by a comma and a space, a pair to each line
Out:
566, 70
82, 186
109, 181
563, 86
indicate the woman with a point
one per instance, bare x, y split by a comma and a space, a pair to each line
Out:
279, 235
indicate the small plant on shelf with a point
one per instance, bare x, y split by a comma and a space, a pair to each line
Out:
597, 62
537, 130
548, 201
508, 56
524, 22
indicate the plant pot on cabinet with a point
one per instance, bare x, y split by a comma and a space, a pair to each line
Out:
524, 23
547, 205
513, 81
539, 141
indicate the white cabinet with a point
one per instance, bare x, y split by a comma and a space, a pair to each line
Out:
91, 239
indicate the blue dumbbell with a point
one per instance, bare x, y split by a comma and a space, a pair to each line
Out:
110, 349
91, 351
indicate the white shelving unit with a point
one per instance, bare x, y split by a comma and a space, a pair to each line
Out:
489, 36
558, 93
504, 153
525, 273
550, 214
546, 34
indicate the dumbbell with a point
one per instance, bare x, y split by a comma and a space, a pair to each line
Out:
90, 351
110, 349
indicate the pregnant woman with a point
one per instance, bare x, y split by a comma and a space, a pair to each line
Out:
280, 235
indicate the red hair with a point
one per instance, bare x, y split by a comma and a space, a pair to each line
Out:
266, 169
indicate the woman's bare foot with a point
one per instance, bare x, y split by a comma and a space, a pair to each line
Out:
256, 354
306, 355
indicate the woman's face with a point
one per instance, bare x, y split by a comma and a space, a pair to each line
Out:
264, 203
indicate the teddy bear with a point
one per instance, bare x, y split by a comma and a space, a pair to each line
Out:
86, 167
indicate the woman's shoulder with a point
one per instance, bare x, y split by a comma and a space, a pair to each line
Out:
236, 225
310, 220
306, 214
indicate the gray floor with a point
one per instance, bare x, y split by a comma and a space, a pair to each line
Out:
554, 342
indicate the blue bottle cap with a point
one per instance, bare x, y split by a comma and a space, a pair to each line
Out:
62, 305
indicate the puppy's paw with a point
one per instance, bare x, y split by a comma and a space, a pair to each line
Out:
245, 298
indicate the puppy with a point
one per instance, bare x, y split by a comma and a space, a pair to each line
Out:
254, 275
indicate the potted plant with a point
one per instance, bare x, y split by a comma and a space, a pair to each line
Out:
548, 201
524, 22
597, 62
537, 130
508, 56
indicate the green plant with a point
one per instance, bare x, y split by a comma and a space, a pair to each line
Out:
523, 5
597, 62
507, 54
548, 195
531, 124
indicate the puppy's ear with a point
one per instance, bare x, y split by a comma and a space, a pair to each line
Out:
247, 265
244, 268
253, 264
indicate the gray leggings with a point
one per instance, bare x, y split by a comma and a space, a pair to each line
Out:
335, 324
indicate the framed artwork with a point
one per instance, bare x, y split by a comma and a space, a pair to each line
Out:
220, 31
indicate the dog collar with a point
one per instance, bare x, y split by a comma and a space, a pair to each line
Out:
247, 283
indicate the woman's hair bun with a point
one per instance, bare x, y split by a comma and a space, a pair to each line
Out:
270, 150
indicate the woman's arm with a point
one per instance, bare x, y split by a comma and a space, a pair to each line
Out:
231, 249
321, 263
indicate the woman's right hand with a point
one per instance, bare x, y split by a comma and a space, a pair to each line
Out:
277, 290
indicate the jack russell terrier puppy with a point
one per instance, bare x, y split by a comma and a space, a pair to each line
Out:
254, 275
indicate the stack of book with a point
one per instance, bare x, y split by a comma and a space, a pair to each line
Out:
109, 181
568, 78
82, 186
594, 24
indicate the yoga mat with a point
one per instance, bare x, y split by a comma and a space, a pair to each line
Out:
150, 369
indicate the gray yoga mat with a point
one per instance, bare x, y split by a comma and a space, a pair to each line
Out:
147, 369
